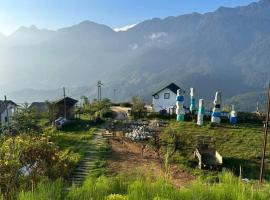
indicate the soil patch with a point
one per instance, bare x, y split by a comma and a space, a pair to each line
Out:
127, 158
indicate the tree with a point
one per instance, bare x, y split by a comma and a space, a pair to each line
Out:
137, 106
85, 100
25, 120
52, 110
97, 109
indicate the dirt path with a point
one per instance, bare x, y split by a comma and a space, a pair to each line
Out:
127, 157
121, 113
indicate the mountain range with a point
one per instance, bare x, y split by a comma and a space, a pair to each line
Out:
226, 50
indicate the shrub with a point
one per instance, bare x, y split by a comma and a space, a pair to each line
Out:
25, 160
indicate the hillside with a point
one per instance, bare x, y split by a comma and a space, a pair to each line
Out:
227, 49
248, 101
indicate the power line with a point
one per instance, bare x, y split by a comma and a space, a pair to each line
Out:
114, 94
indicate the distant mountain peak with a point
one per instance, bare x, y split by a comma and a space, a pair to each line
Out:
87, 23
88, 26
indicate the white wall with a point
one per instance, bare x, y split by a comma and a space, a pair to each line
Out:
161, 103
11, 110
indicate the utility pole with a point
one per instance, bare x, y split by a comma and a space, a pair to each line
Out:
265, 137
114, 95
99, 84
65, 105
7, 114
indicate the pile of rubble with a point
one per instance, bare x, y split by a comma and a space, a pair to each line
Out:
138, 130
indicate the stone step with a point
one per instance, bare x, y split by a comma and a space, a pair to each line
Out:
82, 174
87, 164
85, 167
89, 158
78, 178
82, 169
92, 151
92, 158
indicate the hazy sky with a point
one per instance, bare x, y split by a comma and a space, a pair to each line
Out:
54, 14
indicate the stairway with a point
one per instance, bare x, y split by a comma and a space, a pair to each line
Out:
87, 164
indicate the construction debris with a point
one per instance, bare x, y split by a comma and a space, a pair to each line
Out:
138, 130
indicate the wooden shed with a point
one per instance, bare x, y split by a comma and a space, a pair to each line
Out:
66, 108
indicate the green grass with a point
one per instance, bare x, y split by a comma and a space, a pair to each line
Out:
121, 188
46, 190
74, 138
239, 145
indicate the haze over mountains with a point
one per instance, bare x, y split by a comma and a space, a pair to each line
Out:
227, 50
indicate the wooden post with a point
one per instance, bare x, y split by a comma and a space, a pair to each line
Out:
240, 172
65, 106
265, 137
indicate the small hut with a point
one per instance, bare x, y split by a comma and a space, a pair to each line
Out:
66, 108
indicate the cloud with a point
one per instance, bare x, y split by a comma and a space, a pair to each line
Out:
155, 36
133, 46
125, 28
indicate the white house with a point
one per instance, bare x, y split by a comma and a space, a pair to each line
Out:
7, 110
165, 99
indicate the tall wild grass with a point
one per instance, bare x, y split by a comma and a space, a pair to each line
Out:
228, 187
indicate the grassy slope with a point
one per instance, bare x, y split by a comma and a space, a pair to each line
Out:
239, 145
75, 138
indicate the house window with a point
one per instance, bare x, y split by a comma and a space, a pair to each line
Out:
156, 96
166, 95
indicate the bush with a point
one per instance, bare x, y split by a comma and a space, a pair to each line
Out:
25, 160
245, 117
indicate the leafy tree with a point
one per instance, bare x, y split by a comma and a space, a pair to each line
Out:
137, 104
137, 107
97, 109
25, 120
51, 111
85, 100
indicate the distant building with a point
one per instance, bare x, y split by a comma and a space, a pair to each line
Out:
7, 110
40, 107
165, 99
69, 111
